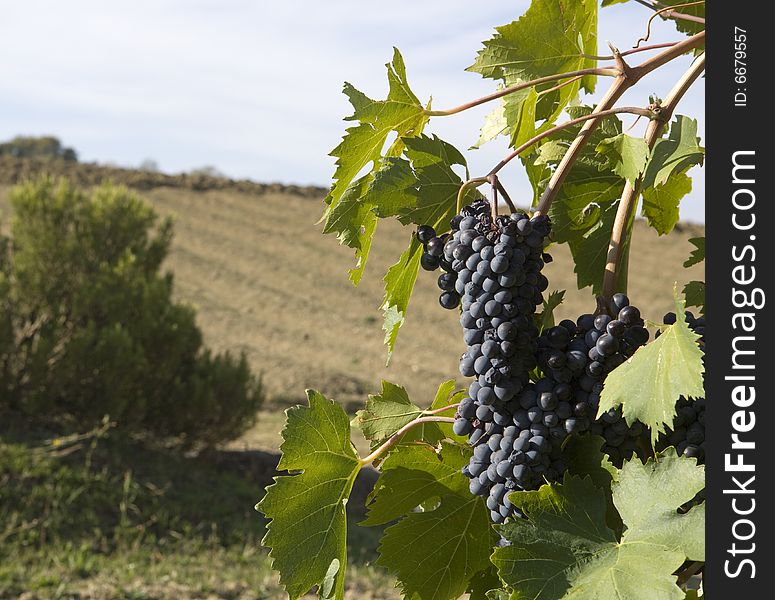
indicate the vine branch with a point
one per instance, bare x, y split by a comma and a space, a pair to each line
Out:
632, 51
669, 12
635, 110
627, 78
629, 199
664, 13
393, 439
602, 71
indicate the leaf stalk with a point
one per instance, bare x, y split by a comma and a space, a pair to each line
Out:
396, 437
629, 199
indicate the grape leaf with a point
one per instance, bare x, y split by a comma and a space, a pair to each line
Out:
414, 475
446, 395
387, 412
676, 153
582, 216
565, 550
354, 222
449, 545
546, 319
667, 482
399, 283
660, 203
307, 510
565, 544
627, 156
649, 383
520, 110
495, 124
392, 187
401, 112
584, 457
437, 184
435, 190
698, 254
350, 209
551, 37
484, 585
584, 210
694, 292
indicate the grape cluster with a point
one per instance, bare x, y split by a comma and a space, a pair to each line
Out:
687, 432
582, 354
513, 424
492, 270
433, 257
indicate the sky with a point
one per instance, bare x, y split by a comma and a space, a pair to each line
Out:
253, 88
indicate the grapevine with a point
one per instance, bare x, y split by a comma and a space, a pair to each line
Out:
535, 475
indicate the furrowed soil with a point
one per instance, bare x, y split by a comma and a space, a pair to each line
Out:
265, 281
252, 261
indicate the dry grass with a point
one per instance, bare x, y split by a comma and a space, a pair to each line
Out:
265, 281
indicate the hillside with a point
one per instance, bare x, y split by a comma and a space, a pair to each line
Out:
251, 259
264, 280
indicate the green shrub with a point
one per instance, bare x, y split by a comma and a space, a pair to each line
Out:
95, 328
6, 323
37, 146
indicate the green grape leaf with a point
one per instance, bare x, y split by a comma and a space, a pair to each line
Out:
551, 37
676, 153
437, 184
363, 144
660, 203
538, 173
495, 124
392, 187
434, 192
546, 319
307, 509
698, 254
399, 283
350, 209
584, 457
564, 549
694, 292
413, 475
582, 216
584, 210
612, 2
626, 155
387, 412
354, 222
484, 585
446, 395
564, 544
520, 110
649, 383
667, 483
449, 545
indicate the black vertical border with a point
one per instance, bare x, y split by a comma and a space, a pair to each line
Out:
732, 128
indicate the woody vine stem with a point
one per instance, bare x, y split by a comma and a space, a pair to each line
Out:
625, 77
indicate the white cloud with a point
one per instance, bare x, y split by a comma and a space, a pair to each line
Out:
255, 87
